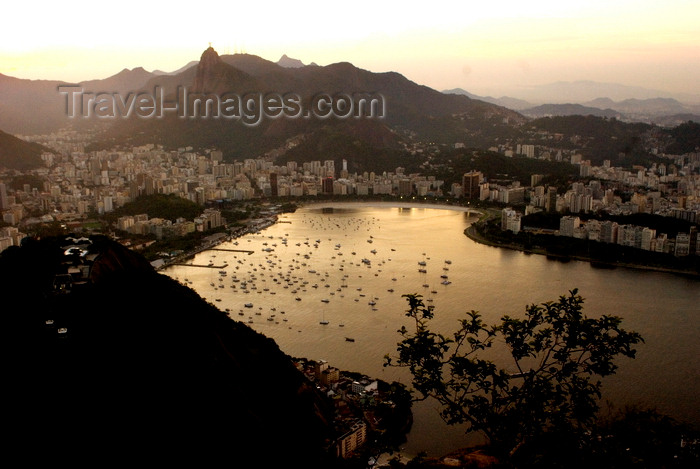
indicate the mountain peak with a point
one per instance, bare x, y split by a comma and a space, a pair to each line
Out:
133, 71
288, 62
209, 56
208, 69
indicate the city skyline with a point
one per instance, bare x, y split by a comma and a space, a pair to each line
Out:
500, 48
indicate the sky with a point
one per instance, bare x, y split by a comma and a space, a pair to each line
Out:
493, 47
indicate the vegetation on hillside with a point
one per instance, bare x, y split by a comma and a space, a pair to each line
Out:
18, 154
686, 138
495, 166
167, 206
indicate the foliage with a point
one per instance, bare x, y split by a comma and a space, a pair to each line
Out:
662, 224
686, 138
597, 138
641, 437
168, 206
550, 388
34, 181
496, 166
18, 154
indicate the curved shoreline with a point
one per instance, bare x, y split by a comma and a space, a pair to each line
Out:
471, 233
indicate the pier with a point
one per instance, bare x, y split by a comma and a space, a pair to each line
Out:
210, 266
231, 250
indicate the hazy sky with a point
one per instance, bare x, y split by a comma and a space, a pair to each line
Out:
489, 47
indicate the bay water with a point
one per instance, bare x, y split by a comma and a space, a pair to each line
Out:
326, 283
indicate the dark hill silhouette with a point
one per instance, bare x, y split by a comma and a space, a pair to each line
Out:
18, 154
146, 369
126, 81
29, 107
215, 76
569, 109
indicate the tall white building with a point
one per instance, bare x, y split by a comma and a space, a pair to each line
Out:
568, 225
648, 236
510, 220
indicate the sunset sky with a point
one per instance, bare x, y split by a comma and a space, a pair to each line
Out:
494, 47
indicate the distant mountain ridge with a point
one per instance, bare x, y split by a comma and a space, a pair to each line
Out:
37, 106
505, 101
660, 110
569, 110
582, 91
658, 106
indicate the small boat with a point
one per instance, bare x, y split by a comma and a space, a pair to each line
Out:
324, 322
349, 339
248, 305
325, 300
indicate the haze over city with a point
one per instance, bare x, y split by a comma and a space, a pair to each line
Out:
497, 48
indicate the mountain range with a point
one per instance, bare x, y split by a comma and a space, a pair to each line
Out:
410, 109
30, 107
583, 100
413, 112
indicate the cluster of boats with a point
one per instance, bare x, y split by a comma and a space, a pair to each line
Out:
283, 269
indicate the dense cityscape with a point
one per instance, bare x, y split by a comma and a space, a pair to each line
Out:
75, 186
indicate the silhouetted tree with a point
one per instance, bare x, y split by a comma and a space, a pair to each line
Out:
548, 395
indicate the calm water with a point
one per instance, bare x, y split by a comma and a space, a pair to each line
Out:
309, 269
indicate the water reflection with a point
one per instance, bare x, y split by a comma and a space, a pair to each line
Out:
349, 265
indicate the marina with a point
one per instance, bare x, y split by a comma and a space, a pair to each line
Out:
327, 257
